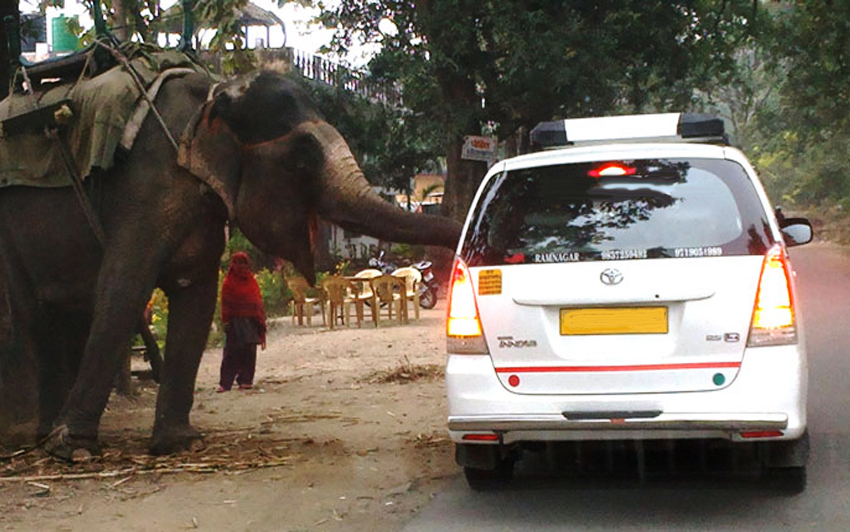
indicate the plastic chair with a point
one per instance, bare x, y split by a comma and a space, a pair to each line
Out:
341, 294
300, 301
388, 290
369, 273
412, 278
361, 280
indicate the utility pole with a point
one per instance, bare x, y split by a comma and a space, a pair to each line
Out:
7, 8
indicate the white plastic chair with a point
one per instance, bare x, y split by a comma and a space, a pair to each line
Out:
412, 278
301, 302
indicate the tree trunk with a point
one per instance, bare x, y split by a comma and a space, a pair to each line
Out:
462, 180
324, 257
121, 28
7, 7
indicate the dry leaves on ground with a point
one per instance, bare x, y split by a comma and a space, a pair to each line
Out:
223, 451
405, 371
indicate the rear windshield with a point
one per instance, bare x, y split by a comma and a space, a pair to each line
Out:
637, 209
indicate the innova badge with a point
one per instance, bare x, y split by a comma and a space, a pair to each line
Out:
611, 276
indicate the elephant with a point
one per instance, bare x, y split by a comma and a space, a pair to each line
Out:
255, 154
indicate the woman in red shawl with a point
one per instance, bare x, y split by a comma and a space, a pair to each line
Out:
244, 324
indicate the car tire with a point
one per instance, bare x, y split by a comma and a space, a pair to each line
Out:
785, 453
490, 479
791, 480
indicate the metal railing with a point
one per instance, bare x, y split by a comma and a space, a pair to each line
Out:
328, 72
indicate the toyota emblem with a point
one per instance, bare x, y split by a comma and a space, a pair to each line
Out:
611, 276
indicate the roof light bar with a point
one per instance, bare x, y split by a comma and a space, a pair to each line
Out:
630, 128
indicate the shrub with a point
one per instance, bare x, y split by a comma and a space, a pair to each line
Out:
273, 289
159, 317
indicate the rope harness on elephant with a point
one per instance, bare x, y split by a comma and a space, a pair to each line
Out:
63, 114
122, 58
51, 120
68, 160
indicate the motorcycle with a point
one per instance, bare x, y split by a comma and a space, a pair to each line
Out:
379, 264
429, 287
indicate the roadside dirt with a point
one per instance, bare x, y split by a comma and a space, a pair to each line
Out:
344, 430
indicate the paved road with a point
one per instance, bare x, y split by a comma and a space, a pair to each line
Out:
615, 499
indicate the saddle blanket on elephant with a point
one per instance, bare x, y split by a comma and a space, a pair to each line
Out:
101, 108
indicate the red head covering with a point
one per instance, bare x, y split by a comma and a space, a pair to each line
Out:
240, 293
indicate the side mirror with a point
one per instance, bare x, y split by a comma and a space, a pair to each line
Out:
796, 231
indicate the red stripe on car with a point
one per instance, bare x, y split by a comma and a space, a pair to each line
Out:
645, 367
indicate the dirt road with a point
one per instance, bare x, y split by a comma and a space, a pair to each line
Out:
345, 430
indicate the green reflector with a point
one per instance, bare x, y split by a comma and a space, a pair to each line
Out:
719, 379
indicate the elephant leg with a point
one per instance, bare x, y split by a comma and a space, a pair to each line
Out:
190, 314
20, 383
60, 343
54, 382
119, 301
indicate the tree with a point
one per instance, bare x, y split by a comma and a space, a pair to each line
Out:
391, 144
802, 141
502, 66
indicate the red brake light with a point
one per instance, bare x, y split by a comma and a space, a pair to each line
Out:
463, 310
773, 317
612, 170
463, 326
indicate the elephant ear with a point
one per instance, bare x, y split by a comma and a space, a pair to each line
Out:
209, 150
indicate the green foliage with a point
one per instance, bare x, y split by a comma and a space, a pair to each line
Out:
503, 66
229, 39
146, 18
800, 133
159, 317
342, 268
391, 144
531, 61
274, 292
407, 253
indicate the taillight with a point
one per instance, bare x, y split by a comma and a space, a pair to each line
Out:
463, 326
774, 322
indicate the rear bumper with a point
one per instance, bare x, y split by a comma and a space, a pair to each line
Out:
664, 422
768, 394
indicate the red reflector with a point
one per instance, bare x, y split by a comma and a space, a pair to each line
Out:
762, 434
513, 380
481, 437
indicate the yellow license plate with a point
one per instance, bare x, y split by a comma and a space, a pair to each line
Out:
622, 320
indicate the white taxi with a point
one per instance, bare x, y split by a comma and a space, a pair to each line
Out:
629, 281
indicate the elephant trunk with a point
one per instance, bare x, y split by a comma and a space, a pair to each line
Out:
347, 199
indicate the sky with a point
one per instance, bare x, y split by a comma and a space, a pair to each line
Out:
301, 33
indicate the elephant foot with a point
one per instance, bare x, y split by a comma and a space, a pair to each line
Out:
61, 444
186, 439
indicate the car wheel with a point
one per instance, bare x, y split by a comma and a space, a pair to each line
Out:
489, 479
791, 480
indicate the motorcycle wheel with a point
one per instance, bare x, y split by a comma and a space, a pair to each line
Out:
428, 299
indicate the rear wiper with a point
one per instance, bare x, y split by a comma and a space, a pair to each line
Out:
659, 252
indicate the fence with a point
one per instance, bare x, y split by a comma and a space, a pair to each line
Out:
331, 73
